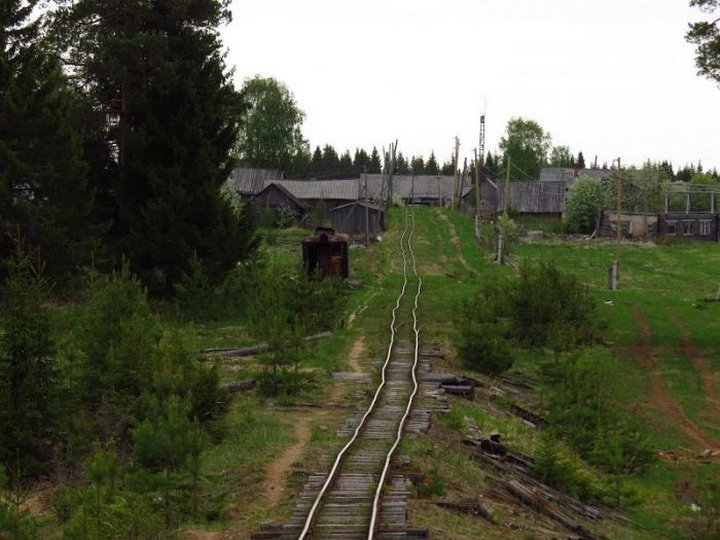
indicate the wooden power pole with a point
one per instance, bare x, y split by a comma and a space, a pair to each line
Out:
479, 162
501, 226
456, 198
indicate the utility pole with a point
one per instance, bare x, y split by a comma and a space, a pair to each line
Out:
478, 171
501, 226
455, 169
477, 195
615, 273
366, 201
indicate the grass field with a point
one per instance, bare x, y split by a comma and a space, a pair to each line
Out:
659, 327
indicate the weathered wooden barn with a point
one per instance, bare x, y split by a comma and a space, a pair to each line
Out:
427, 190
276, 199
247, 183
531, 197
358, 218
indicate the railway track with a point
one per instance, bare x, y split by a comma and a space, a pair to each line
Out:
358, 498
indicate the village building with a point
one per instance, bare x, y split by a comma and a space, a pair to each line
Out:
358, 218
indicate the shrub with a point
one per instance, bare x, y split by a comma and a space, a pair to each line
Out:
548, 307
483, 349
583, 203
588, 413
431, 485
543, 308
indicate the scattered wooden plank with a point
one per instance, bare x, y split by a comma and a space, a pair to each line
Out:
257, 349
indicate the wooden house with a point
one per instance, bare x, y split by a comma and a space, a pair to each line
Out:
276, 199
358, 218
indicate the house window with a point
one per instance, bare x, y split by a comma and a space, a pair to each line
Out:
671, 229
687, 228
704, 228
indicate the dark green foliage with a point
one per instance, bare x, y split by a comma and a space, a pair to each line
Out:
553, 467
580, 163
107, 509
283, 311
587, 413
361, 161
417, 165
118, 337
402, 166
432, 167
549, 308
44, 191
482, 348
16, 521
167, 439
29, 382
543, 308
431, 485
156, 71
374, 163
270, 134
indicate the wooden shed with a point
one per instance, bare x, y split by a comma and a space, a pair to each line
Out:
275, 198
326, 253
358, 218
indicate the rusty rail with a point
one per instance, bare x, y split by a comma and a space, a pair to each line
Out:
335, 470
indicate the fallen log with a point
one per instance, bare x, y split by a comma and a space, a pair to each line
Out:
468, 392
529, 498
257, 349
473, 508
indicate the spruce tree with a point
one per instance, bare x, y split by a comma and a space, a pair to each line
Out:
375, 164
44, 190
156, 70
360, 161
29, 382
432, 167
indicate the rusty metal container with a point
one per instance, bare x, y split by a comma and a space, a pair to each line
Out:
326, 253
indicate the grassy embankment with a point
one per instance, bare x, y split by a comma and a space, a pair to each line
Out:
664, 283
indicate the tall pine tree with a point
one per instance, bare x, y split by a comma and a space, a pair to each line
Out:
156, 70
44, 193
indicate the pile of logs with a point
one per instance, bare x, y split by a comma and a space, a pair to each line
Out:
512, 472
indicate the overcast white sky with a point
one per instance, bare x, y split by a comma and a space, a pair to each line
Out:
612, 78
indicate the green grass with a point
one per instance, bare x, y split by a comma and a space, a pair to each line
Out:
654, 278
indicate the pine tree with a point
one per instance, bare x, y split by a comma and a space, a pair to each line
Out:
330, 161
401, 165
580, 162
374, 165
28, 385
361, 161
431, 167
157, 71
417, 164
346, 163
44, 187
316, 163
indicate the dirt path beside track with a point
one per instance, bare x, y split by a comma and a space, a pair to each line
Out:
660, 399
